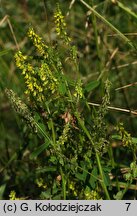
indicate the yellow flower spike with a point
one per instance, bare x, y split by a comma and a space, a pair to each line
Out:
40, 81
61, 25
20, 60
37, 41
78, 90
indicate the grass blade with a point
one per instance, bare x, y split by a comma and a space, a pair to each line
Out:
128, 10
120, 34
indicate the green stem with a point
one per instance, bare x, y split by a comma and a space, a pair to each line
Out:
63, 183
111, 156
53, 131
124, 185
97, 156
126, 9
42, 131
102, 176
125, 190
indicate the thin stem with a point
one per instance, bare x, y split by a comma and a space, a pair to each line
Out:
12, 32
111, 156
124, 185
115, 108
97, 156
53, 131
125, 190
126, 9
102, 176
42, 132
63, 183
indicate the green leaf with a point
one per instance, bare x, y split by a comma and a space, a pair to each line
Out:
79, 176
54, 189
62, 88
134, 140
82, 176
42, 131
46, 169
62, 84
93, 177
106, 179
53, 159
46, 194
42, 126
91, 85
37, 117
39, 150
57, 197
118, 195
2, 189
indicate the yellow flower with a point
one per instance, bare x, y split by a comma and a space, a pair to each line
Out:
37, 41
20, 60
61, 26
78, 90
40, 183
12, 196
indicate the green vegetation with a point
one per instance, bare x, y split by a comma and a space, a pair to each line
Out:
68, 100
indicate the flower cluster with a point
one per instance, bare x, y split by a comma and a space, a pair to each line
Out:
61, 25
21, 109
74, 53
12, 196
124, 135
37, 41
61, 31
100, 129
72, 187
132, 172
64, 137
78, 90
91, 195
28, 72
40, 81
48, 80
40, 183
21, 61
